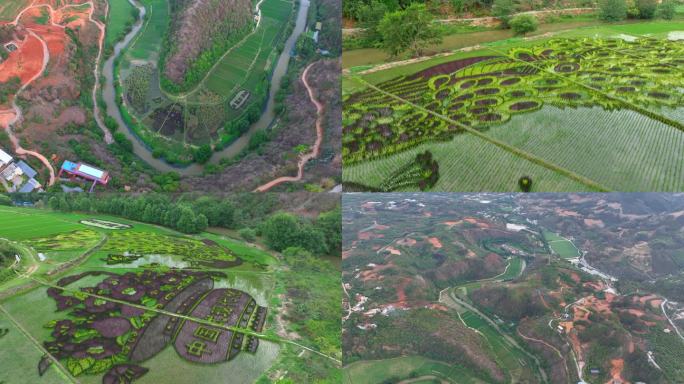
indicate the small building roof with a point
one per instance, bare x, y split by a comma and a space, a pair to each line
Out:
28, 171
30, 186
86, 171
5, 157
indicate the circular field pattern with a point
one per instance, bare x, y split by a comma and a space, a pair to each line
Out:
481, 92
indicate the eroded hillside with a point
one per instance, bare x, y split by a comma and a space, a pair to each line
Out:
200, 25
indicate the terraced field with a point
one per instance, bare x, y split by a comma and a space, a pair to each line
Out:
546, 110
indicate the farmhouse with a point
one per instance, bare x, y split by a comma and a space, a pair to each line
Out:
17, 176
86, 172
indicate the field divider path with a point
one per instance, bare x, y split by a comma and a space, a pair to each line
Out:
249, 332
38, 346
505, 146
628, 104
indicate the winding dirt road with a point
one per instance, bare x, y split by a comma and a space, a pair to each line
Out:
317, 145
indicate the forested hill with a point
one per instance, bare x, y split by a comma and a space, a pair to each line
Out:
198, 29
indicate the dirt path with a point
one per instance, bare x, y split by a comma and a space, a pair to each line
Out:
18, 149
96, 72
560, 355
317, 145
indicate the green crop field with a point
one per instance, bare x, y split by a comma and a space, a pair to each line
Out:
561, 246
513, 270
119, 15
148, 42
507, 355
555, 107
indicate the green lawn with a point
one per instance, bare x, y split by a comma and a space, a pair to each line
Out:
560, 245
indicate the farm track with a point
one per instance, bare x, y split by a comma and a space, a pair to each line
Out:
315, 151
508, 148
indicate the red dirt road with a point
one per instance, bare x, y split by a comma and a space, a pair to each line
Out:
317, 145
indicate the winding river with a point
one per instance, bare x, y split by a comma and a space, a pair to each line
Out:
265, 121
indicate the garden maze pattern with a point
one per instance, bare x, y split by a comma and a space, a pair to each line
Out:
479, 92
103, 335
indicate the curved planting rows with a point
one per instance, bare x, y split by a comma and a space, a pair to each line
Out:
611, 74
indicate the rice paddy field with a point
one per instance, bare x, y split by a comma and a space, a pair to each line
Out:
120, 13
545, 108
68, 261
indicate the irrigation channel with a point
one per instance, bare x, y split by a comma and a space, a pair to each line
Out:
265, 121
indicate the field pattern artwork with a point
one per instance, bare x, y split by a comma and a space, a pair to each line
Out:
126, 247
642, 76
103, 335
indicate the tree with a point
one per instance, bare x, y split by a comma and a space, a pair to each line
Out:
523, 24
503, 9
369, 16
667, 9
330, 223
202, 154
248, 234
525, 183
613, 10
409, 30
283, 230
647, 8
